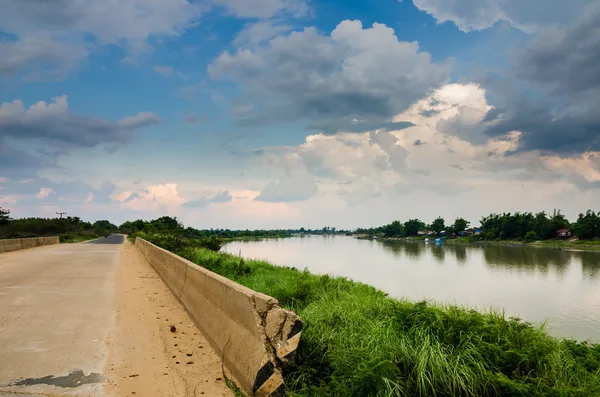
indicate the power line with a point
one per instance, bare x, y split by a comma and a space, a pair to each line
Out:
61, 214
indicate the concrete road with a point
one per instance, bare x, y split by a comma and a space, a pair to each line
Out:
56, 312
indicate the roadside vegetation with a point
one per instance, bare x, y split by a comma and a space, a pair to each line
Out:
69, 229
357, 341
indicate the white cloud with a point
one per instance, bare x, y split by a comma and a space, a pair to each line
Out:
383, 175
354, 73
56, 36
258, 32
140, 120
296, 183
154, 198
44, 192
527, 15
53, 121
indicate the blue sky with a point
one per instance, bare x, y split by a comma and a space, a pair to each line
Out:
287, 113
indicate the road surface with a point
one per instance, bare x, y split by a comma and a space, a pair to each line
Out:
57, 307
94, 319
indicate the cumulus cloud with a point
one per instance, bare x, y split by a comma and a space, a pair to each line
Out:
222, 197
527, 15
50, 59
387, 169
297, 184
152, 198
54, 122
256, 33
352, 75
560, 66
57, 36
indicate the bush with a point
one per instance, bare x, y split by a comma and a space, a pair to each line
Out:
530, 237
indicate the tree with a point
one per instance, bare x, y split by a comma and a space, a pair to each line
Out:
438, 225
165, 224
460, 225
4, 216
412, 227
394, 229
531, 236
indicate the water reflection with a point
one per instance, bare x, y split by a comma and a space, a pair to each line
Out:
460, 251
411, 249
438, 252
536, 284
527, 259
590, 264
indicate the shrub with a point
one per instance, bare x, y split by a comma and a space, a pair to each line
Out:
530, 237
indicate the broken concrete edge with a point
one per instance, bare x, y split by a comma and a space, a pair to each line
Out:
270, 340
16, 244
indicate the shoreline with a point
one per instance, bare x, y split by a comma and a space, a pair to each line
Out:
550, 244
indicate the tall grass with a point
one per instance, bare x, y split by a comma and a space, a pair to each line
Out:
359, 342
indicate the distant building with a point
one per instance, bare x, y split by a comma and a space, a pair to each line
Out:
563, 233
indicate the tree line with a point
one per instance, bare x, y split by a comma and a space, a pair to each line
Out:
66, 228
505, 226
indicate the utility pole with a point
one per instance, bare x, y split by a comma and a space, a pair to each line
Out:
61, 214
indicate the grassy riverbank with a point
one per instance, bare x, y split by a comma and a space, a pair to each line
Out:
359, 342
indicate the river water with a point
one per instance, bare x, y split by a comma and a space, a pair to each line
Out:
561, 288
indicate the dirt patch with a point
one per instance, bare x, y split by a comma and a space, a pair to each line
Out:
146, 356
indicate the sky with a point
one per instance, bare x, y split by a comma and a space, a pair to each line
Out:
298, 113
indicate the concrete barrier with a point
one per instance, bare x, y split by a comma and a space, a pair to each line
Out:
16, 244
10, 245
255, 336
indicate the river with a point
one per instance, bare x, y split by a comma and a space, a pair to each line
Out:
561, 288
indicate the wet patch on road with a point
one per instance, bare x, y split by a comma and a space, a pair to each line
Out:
74, 379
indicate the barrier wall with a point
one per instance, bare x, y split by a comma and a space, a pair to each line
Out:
24, 243
249, 330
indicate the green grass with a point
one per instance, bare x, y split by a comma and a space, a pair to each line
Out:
359, 342
77, 238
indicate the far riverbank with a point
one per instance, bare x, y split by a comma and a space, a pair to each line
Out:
570, 245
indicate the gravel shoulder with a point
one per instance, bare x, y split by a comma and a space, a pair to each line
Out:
145, 357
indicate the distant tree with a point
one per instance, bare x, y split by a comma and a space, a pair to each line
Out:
460, 225
531, 236
4, 216
164, 225
588, 225
412, 227
394, 229
438, 225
